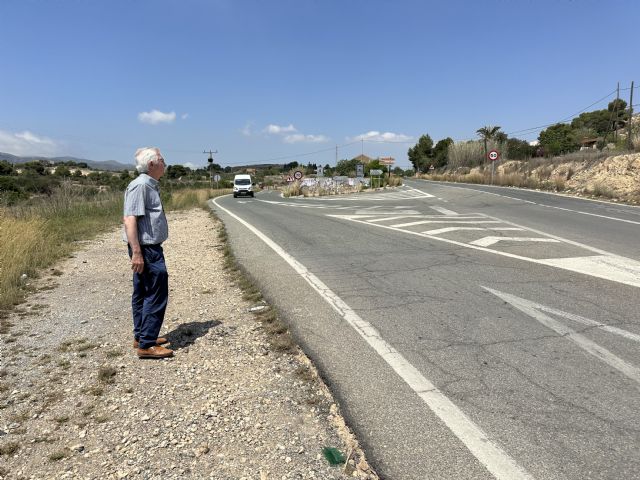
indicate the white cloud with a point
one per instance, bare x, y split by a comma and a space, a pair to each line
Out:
300, 138
190, 165
184, 116
376, 136
27, 143
278, 130
155, 117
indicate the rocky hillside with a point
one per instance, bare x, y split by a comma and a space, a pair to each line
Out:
616, 178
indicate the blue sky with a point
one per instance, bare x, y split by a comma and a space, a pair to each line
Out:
269, 81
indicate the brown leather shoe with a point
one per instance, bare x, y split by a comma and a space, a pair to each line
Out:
159, 341
155, 352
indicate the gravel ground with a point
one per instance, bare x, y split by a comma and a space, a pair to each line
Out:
76, 402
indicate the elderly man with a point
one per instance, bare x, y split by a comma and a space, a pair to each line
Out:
145, 228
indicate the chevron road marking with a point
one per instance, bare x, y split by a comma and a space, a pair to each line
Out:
487, 241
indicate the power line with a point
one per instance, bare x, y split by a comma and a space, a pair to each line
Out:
564, 120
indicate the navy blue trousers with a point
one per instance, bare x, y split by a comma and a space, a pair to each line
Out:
150, 296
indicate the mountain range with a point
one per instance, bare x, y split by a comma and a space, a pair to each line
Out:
111, 165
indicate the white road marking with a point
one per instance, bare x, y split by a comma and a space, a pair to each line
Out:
552, 206
384, 219
488, 453
592, 323
444, 211
474, 222
604, 265
453, 229
533, 310
438, 231
611, 267
486, 241
406, 213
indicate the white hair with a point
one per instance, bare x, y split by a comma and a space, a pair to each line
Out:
144, 156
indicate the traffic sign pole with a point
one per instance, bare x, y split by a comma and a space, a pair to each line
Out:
493, 156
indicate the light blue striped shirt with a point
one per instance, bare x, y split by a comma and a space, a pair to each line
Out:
142, 200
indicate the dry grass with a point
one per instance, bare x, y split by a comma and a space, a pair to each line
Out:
36, 234
107, 374
59, 455
9, 448
292, 190
192, 197
601, 190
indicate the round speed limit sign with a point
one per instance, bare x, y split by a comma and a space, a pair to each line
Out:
493, 155
297, 174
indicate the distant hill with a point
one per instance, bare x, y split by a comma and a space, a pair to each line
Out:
111, 165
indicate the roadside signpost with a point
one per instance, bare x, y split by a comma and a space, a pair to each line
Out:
388, 161
376, 174
493, 156
216, 177
297, 175
359, 170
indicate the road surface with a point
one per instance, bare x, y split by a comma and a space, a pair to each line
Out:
468, 332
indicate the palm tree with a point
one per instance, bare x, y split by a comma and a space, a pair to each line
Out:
487, 133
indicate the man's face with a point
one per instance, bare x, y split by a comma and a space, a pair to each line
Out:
157, 167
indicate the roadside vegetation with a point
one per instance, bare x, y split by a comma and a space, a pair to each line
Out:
598, 144
44, 218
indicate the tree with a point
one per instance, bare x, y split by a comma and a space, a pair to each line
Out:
440, 152
421, 153
599, 121
34, 168
346, 167
487, 133
177, 171
519, 149
500, 137
558, 139
619, 110
5, 168
62, 171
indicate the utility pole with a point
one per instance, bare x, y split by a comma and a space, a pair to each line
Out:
629, 130
210, 160
615, 112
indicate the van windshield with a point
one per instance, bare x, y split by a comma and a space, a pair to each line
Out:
243, 181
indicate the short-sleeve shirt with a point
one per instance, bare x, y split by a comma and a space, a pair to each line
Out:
142, 200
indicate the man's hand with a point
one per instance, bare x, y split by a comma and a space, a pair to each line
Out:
137, 262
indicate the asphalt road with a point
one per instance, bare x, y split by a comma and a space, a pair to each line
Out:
468, 332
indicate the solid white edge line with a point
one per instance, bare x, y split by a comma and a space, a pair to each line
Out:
492, 456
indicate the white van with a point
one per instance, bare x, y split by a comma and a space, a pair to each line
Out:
242, 185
